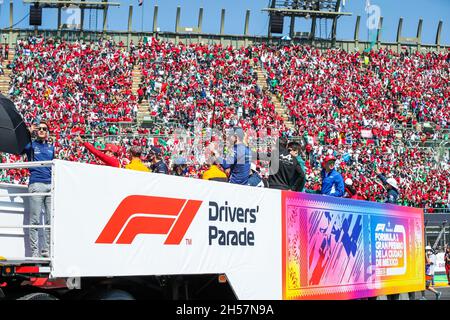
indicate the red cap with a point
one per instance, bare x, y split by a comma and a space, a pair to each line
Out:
329, 158
112, 147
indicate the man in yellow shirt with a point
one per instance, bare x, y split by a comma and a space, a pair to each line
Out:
136, 163
215, 173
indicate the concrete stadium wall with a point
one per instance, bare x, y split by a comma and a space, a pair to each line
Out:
11, 37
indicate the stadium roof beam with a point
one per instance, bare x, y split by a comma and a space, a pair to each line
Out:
155, 19
80, 4
334, 27
438, 34
380, 28
180, 29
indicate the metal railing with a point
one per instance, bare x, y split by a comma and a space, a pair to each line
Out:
26, 165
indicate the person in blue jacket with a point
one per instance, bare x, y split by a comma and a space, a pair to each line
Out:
158, 165
332, 181
254, 179
40, 182
238, 164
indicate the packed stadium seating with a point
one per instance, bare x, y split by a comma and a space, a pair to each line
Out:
74, 82
353, 109
207, 84
339, 104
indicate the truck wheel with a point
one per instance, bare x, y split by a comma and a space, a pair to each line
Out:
38, 296
115, 294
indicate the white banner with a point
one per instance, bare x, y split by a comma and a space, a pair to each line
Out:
440, 263
116, 222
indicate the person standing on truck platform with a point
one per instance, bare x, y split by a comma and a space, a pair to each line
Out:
288, 174
254, 179
332, 181
108, 157
215, 171
157, 163
136, 162
391, 186
238, 163
40, 182
299, 181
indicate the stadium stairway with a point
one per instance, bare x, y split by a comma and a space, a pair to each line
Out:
4, 81
279, 109
5, 77
143, 109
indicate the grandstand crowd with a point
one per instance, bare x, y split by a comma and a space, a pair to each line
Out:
340, 106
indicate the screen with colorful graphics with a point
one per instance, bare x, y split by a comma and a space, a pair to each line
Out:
337, 248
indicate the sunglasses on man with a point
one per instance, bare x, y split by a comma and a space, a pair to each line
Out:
45, 129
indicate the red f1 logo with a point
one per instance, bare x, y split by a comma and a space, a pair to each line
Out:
149, 215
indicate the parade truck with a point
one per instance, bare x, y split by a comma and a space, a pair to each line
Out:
123, 234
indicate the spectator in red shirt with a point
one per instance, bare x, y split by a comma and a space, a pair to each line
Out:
140, 93
108, 157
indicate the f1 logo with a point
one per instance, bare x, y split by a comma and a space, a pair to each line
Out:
149, 215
